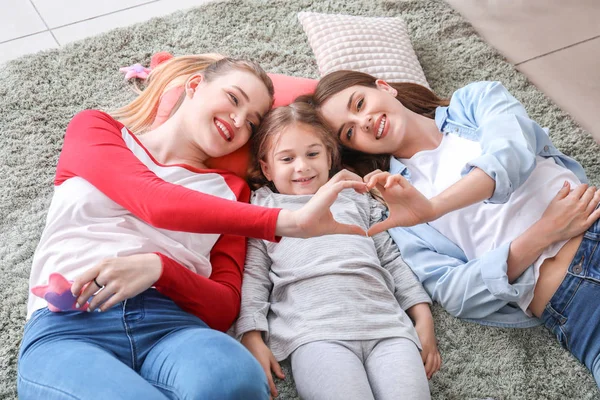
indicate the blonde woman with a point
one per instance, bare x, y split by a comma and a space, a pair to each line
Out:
155, 241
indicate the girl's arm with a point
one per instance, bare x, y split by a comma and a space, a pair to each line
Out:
252, 323
408, 290
423, 320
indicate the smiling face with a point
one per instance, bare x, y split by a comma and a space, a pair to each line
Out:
298, 162
221, 114
367, 119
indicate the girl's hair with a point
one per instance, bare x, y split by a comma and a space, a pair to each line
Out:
273, 124
416, 98
139, 115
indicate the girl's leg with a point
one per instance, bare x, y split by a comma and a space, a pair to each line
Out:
330, 370
396, 371
58, 361
201, 363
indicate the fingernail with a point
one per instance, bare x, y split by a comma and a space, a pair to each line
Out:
98, 310
73, 294
566, 183
77, 305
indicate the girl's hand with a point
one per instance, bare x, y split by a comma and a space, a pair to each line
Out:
432, 360
315, 218
407, 206
254, 343
120, 278
571, 213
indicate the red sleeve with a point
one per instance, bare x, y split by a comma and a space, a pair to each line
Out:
95, 151
215, 300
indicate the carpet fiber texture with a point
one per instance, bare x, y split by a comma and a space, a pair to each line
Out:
40, 93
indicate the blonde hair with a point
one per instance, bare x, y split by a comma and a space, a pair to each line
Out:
273, 124
139, 115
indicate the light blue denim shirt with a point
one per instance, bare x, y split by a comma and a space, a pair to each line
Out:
478, 289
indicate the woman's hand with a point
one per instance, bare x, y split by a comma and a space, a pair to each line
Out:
407, 206
315, 218
254, 343
571, 212
116, 279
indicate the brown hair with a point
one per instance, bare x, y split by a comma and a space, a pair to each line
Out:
416, 98
139, 114
275, 122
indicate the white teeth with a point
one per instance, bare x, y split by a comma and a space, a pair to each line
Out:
303, 179
381, 126
224, 130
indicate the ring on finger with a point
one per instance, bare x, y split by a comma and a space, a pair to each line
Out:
100, 287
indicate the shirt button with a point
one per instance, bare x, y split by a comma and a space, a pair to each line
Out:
546, 148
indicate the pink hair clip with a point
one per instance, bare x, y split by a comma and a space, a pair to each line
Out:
135, 71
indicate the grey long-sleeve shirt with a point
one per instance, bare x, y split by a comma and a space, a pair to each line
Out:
334, 287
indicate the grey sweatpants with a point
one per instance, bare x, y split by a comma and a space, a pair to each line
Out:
362, 370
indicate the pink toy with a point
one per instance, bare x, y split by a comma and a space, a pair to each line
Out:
58, 294
138, 71
135, 71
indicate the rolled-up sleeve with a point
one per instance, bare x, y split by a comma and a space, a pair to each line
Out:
466, 289
507, 135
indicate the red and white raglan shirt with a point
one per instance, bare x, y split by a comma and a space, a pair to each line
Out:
112, 199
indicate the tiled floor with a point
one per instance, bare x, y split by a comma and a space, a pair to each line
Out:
555, 43
28, 26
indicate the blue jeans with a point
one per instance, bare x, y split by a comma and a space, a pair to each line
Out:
143, 348
573, 313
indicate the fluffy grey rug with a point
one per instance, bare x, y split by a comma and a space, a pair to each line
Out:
40, 93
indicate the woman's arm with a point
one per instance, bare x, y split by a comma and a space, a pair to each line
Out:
408, 207
465, 288
509, 139
215, 300
95, 151
479, 287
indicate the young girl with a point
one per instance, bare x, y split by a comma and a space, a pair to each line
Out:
336, 304
505, 237
137, 217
